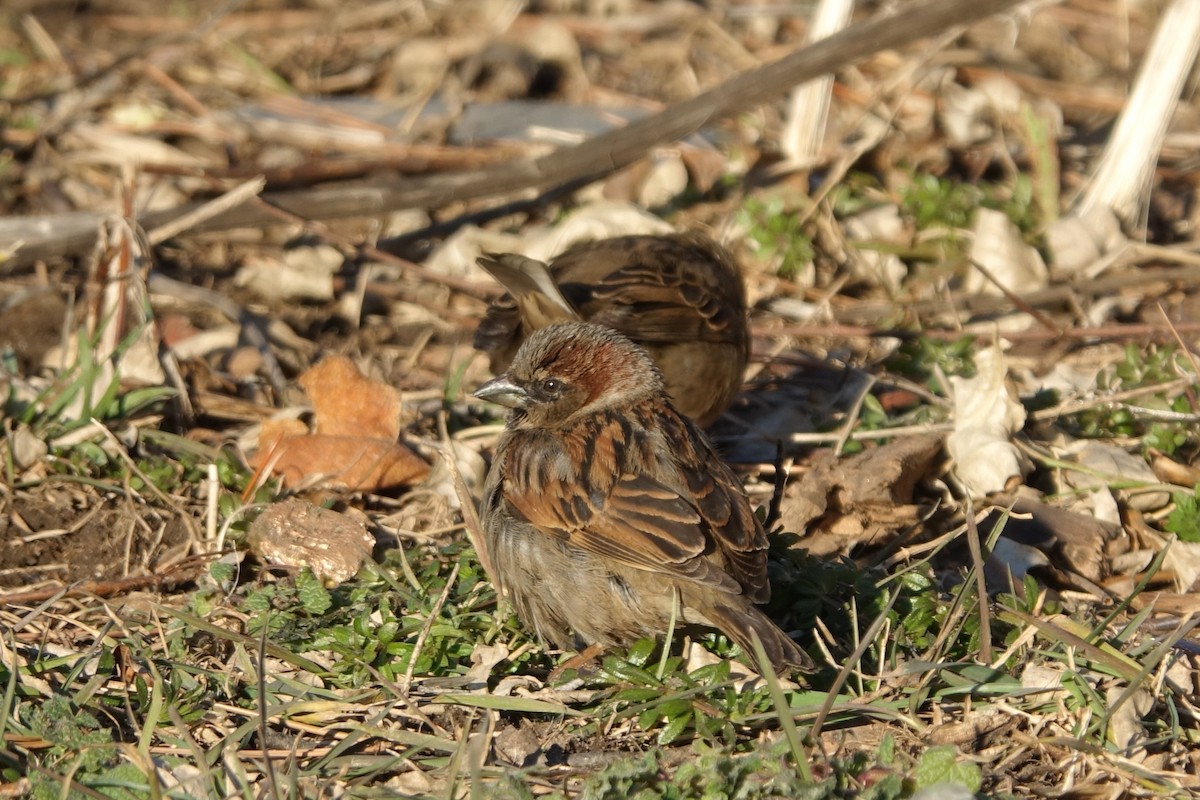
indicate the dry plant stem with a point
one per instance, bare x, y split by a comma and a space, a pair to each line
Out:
109, 283
835, 689
178, 573
400, 158
465, 500
163, 53
1188, 351
263, 730
234, 198
985, 622
1125, 667
1151, 662
808, 108
602, 155
416, 270
123, 454
1017, 301
852, 415
213, 491
182, 400
835, 437
1187, 275
1129, 157
1115, 331
1070, 96
161, 284
1076, 406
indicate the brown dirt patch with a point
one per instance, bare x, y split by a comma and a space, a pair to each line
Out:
55, 535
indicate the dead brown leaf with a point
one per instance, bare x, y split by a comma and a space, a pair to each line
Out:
1168, 470
355, 445
350, 404
865, 499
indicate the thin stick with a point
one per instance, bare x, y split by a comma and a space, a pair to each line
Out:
234, 198
1129, 157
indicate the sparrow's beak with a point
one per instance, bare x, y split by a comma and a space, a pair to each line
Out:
501, 391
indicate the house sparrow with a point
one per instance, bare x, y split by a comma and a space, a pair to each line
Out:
680, 296
603, 501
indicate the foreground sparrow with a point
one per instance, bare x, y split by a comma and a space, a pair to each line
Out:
680, 296
603, 502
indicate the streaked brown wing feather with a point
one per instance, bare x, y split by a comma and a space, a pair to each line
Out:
673, 288
722, 503
523, 276
499, 332
640, 521
654, 289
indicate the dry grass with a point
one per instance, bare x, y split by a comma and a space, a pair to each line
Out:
1030, 638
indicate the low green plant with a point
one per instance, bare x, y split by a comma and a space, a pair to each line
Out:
920, 358
776, 234
1184, 519
83, 392
933, 201
82, 755
1149, 367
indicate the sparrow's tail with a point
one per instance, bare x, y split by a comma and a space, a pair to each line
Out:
737, 622
529, 281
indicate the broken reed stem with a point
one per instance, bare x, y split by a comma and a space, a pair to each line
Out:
1124, 170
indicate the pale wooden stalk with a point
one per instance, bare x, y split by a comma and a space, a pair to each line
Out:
1123, 173
808, 108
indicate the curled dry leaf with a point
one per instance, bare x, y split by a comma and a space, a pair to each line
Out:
666, 179
969, 115
1078, 243
1125, 728
349, 404
997, 246
355, 443
880, 224
1168, 470
1062, 548
518, 746
1183, 564
1108, 463
598, 220
298, 280
484, 659
985, 418
1042, 680
980, 723
295, 533
27, 448
865, 499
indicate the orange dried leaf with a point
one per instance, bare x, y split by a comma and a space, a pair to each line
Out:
348, 404
357, 463
276, 430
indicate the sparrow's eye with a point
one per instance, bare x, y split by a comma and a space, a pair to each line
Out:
551, 386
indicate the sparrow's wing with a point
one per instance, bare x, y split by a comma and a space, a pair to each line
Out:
678, 288
703, 532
